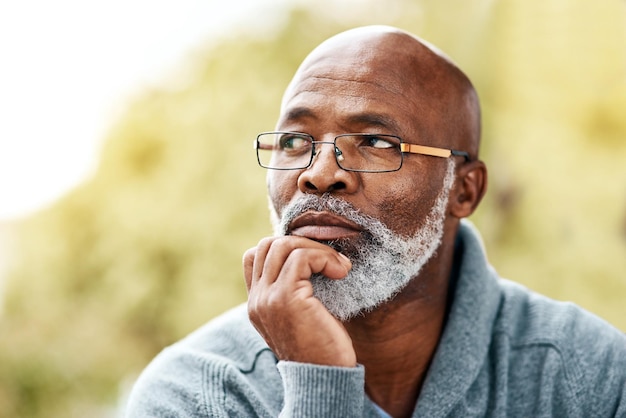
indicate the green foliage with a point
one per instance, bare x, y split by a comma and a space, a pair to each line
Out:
150, 247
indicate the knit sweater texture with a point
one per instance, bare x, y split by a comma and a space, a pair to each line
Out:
505, 352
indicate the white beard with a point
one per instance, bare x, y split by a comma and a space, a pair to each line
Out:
383, 262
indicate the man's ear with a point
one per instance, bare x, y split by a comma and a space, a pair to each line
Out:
469, 188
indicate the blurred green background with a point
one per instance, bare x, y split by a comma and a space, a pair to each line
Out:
149, 248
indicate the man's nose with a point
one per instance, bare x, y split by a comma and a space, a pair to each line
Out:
324, 174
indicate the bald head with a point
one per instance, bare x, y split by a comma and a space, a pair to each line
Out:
428, 90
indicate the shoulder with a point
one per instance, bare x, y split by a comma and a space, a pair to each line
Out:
227, 340
528, 318
193, 376
561, 347
230, 335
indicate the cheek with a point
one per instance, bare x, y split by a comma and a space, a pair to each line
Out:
281, 187
405, 206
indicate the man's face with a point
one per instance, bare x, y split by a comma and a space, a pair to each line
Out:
344, 91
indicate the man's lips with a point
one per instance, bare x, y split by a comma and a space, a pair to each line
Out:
322, 226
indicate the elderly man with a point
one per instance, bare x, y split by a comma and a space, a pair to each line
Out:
374, 298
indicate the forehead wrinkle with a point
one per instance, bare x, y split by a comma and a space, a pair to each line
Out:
383, 86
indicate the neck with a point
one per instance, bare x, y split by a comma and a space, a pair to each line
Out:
396, 342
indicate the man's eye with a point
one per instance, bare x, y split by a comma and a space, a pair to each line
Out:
293, 142
378, 142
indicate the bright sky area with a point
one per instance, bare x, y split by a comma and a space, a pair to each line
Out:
68, 66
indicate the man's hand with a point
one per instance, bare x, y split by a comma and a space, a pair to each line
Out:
281, 305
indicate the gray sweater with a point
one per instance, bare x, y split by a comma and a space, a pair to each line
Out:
505, 352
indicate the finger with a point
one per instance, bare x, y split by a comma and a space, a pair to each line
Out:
260, 257
343, 259
302, 263
302, 252
248, 263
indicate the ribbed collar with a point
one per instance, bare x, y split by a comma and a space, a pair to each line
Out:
467, 334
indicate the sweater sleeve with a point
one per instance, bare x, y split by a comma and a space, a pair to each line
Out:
322, 391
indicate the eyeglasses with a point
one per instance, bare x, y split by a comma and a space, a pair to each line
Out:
367, 153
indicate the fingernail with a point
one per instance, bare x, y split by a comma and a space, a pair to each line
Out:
346, 259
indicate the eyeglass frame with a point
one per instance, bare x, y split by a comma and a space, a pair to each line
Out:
404, 148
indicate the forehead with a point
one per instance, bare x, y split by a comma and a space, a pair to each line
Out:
356, 90
345, 106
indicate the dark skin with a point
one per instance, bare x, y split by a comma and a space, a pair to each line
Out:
378, 80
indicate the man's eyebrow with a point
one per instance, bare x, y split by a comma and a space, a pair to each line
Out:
375, 120
299, 113
368, 119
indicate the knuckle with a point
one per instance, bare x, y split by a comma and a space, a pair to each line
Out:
266, 242
248, 255
252, 314
301, 252
281, 242
275, 302
255, 311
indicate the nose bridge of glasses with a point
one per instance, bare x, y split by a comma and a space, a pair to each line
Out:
317, 150
317, 147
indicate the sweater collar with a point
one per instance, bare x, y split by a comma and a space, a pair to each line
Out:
465, 340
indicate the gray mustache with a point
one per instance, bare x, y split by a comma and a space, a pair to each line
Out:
324, 203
